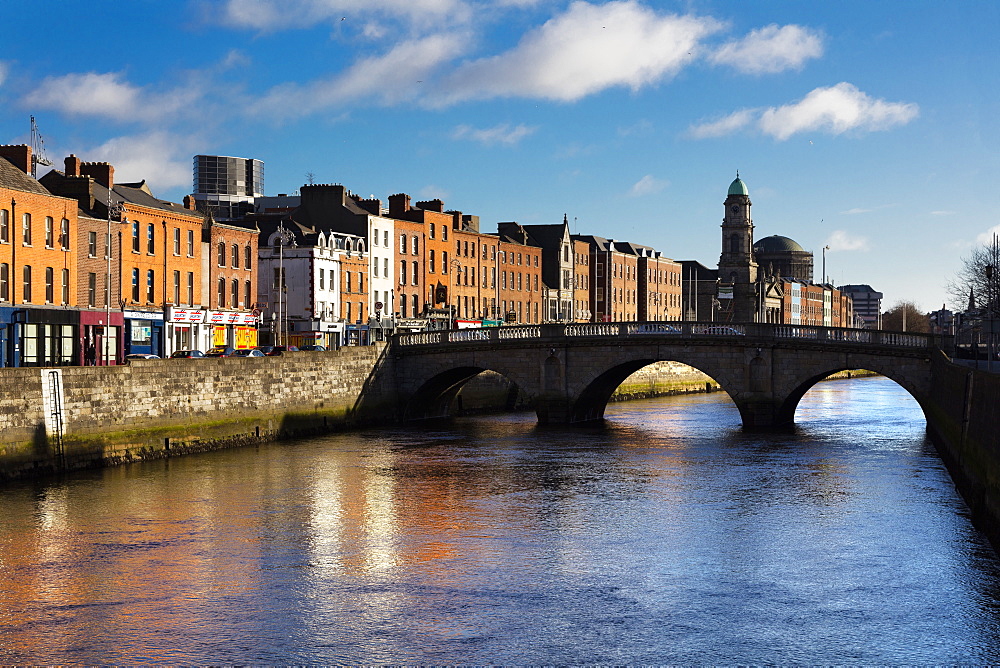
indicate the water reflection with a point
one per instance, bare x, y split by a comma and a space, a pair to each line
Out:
666, 535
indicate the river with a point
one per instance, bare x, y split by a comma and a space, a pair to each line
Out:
666, 535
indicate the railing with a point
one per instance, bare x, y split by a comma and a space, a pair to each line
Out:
670, 331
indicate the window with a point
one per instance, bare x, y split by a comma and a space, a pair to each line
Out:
26, 229
402, 243
465, 248
430, 261
361, 281
91, 289
431, 231
416, 245
177, 283
279, 278
26, 275
236, 256
65, 286
49, 285
49, 232
190, 290
322, 279
403, 303
222, 293
416, 273
4, 226
348, 306
444, 262
135, 286
190, 244
177, 241
92, 244
375, 266
247, 302
458, 247
385, 267
150, 239
234, 291
247, 256
347, 281
402, 272
150, 283
222, 254
444, 233
375, 238
4, 281
414, 300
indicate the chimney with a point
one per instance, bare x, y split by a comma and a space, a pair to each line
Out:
432, 205
399, 204
372, 206
18, 155
189, 203
72, 165
101, 172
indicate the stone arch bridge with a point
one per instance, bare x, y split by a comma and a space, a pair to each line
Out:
569, 371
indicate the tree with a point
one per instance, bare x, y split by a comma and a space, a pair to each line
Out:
977, 282
915, 321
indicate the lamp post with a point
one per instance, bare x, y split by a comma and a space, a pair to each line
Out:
113, 210
456, 266
825, 249
283, 237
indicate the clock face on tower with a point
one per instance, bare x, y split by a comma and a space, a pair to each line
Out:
735, 208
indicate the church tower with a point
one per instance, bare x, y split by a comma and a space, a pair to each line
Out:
737, 269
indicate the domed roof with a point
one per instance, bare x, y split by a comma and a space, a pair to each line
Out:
777, 244
737, 187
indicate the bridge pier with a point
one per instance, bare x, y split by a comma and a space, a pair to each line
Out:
763, 413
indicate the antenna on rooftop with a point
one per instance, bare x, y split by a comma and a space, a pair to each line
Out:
37, 150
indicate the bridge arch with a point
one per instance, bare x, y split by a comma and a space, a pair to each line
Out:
435, 395
915, 384
590, 399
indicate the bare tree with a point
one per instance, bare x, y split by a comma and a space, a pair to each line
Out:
905, 317
310, 178
978, 279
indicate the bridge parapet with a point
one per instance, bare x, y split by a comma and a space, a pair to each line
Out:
670, 331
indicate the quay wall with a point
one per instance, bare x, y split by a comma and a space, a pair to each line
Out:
93, 416
963, 419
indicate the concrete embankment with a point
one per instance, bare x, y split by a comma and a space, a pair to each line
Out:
963, 418
77, 417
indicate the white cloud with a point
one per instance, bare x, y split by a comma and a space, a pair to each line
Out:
640, 128
840, 240
161, 158
856, 211
271, 15
107, 95
771, 49
724, 126
834, 110
943, 213
499, 134
4, 69
647, 185
393, 77
987, 236
587, 49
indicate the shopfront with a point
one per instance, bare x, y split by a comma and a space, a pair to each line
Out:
144, 332
233, 328
100, 344
183, 329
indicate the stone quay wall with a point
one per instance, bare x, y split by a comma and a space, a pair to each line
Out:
963, 418
76, 417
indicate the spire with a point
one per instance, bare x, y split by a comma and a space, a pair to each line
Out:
565, 219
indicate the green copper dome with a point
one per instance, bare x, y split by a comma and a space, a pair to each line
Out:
737, 187
777, 244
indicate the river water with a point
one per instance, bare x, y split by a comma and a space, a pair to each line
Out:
667, 535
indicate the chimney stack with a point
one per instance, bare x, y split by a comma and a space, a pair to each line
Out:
399, 205
18, 155
432, 205
101, 172
72, 165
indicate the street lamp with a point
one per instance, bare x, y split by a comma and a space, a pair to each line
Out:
825, 249
456, 266
113, 210
283, 236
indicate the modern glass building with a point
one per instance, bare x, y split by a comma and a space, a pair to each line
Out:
226, 186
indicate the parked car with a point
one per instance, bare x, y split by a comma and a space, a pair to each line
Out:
220, 351
280, 350
140, 356
186, 354
313, 348
247, 352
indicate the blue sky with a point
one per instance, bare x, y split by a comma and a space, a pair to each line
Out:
870, 127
